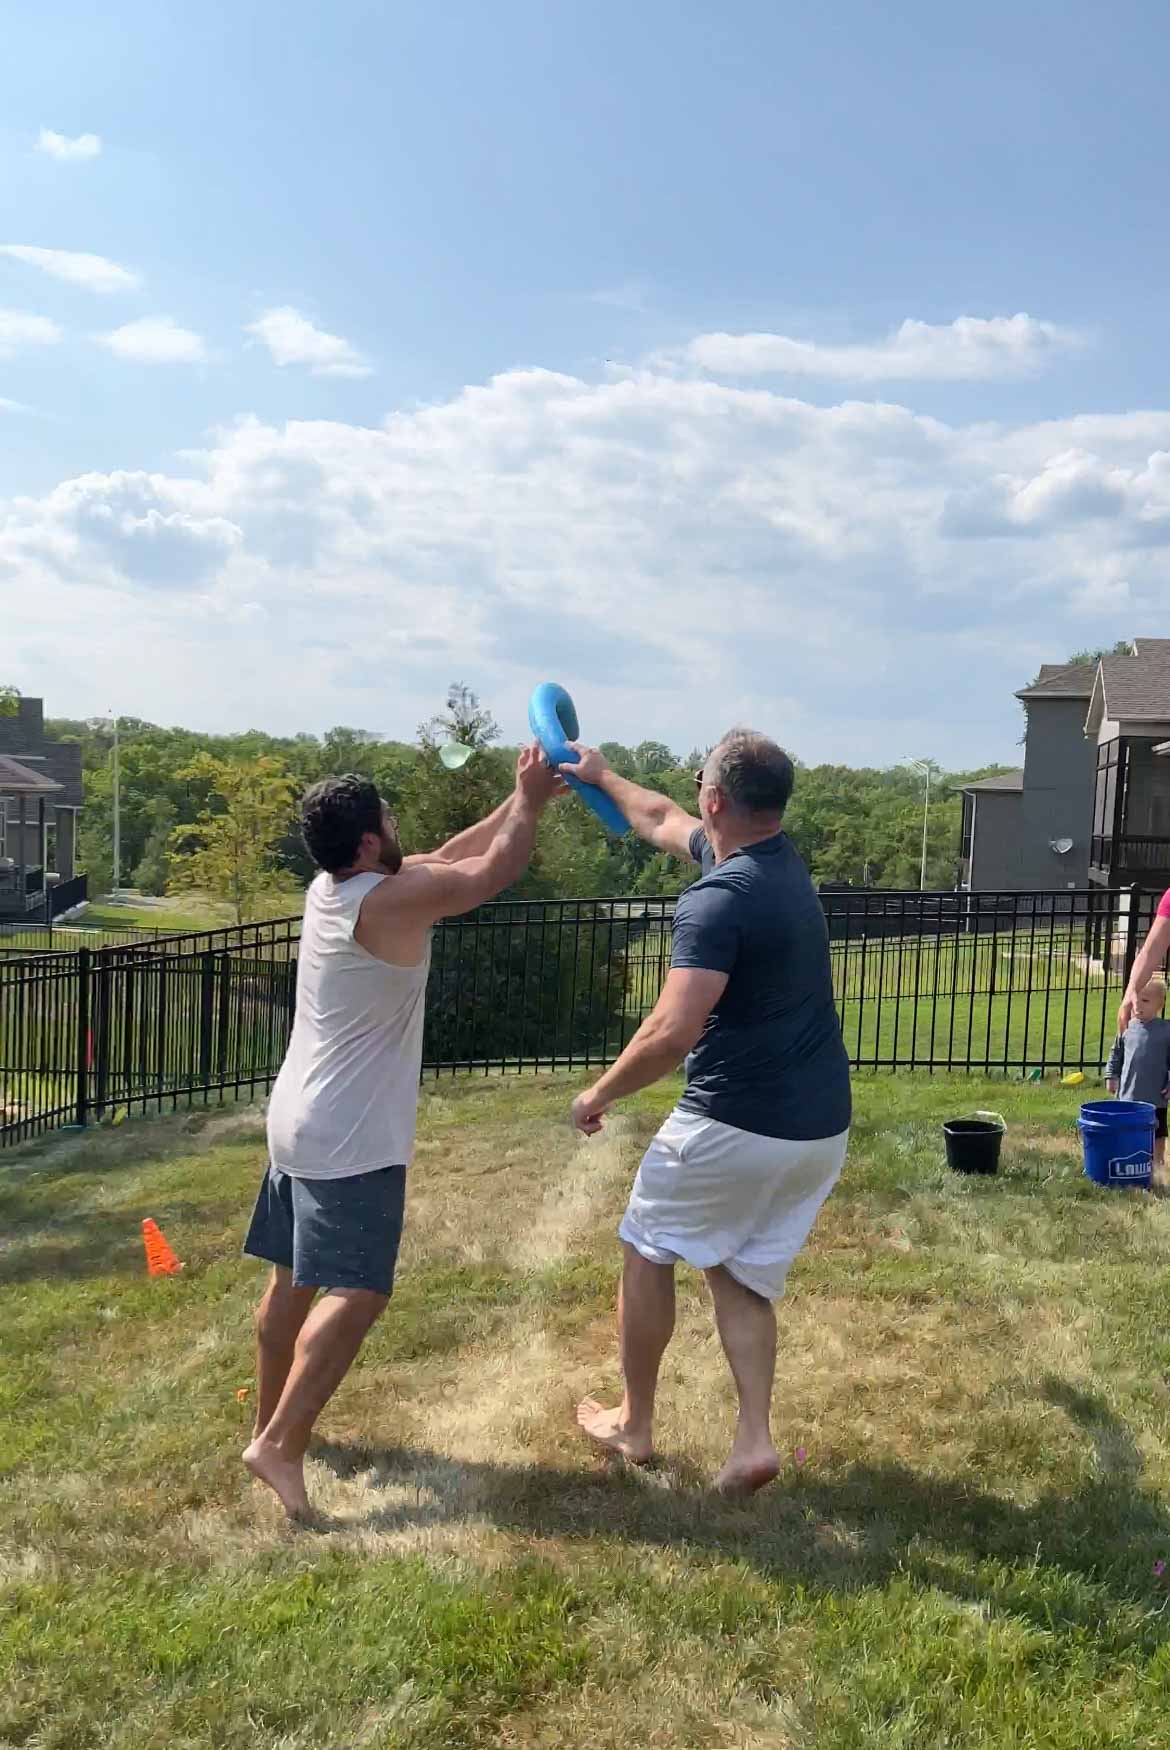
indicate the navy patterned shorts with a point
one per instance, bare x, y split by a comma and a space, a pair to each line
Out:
331, 1233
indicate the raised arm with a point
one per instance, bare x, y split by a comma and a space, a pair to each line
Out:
473, 841
655, 818
1153, 952
447, 890
396, 915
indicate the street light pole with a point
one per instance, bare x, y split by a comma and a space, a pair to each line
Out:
923, 766
117, 815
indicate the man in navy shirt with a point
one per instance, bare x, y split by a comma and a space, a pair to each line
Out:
733, 1181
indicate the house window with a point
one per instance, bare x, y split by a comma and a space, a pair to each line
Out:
968, 827
1111, 770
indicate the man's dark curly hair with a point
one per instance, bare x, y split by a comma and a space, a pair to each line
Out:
334, 815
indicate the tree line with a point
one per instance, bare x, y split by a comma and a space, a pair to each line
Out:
217, 812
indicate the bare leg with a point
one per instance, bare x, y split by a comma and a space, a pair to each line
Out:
279, 1318
329, 1340
747, 1331
1159, 1152
645, 1326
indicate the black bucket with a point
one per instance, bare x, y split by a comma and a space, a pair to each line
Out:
973, 1143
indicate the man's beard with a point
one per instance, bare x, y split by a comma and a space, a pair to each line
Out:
390, 856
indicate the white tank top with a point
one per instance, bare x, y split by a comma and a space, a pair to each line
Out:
346, 1099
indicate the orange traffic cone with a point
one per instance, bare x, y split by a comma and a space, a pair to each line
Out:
160, 1260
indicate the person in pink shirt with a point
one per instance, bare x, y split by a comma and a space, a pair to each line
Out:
1149, 961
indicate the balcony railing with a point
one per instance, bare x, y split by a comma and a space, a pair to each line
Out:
16, 879
1131, 853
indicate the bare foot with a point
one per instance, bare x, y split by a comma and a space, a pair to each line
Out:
745, 1473
604, 1428
284, 1476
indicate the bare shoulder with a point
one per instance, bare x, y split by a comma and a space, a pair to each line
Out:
427, 891
393, 920
408, 890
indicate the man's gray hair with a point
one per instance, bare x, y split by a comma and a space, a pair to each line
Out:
754, 773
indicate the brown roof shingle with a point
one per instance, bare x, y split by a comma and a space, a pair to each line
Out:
1067, 680
1005, 782
1138, 686
18, 780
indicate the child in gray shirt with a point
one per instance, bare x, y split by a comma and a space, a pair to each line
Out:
1139, 1064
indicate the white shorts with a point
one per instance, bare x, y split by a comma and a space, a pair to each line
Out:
709, 1194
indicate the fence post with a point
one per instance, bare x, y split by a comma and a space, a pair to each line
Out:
83, 1038
100, 1025
224, 1017
206, 991
1133, 927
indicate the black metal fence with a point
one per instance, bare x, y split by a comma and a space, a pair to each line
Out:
1000, 982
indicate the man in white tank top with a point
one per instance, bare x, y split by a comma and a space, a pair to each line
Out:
342, 1115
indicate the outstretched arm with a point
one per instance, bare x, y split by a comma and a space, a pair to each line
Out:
396, 915
660, 1044
473, 841
1153, 953
655, 818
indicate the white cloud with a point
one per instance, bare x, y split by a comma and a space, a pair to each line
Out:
93, 272
293, 340
680, 553
970, 347
156, 340
62, 147
19, 328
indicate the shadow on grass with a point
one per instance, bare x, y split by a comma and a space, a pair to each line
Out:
1058, 1560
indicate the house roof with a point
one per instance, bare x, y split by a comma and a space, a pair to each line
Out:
1137, 685
18, 780
1061, 680
1005, 783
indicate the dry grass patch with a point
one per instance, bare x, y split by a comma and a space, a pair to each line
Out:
971, 1403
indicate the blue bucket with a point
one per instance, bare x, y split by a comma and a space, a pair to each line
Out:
1118, 1138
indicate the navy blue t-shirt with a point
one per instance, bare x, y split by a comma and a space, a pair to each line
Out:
770, 1058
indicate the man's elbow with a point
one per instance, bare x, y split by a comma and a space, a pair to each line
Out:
677, 1035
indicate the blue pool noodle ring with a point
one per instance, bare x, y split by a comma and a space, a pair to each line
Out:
552, 717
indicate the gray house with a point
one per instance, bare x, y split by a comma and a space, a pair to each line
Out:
1128, 726
1031, 828
1091, 805
40, 799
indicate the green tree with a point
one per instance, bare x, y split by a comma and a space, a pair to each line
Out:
432, 803
9, 700
620, 758
653, 757
228, 851
1123, 647
153, 869
465, 720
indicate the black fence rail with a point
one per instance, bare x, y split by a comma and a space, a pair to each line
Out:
275, 938
991, 982
65, 895
60, 938
1007, 983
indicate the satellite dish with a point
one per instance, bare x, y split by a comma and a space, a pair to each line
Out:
1061, 846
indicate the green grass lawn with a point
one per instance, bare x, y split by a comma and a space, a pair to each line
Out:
962, 1551
106, 923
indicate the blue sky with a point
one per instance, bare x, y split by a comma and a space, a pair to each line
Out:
529, 341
